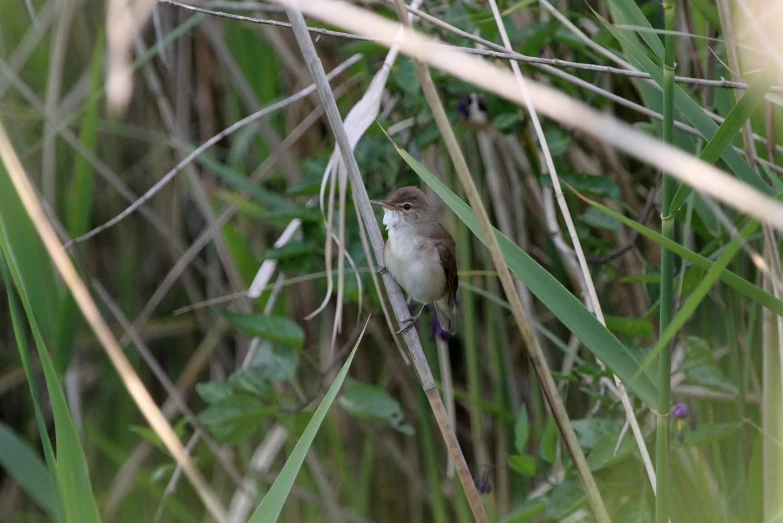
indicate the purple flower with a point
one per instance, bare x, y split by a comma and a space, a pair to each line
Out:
482, 483
680, 411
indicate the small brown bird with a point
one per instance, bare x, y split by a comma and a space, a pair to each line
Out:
420, 254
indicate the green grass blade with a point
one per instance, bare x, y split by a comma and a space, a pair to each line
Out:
272, 504
36, 270
73, 479
23, 464
551, 292
25, 354
634, 16
729, 129
737, 283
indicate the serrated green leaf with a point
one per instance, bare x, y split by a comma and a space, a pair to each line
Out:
590, 431
214, 391
275, 363
371, 402
701, 368
236, 418
271, 328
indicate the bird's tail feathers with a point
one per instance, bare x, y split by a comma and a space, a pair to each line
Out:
446, 316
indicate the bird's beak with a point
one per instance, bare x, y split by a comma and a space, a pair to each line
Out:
383, 204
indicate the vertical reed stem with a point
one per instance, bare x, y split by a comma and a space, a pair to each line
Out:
667, 280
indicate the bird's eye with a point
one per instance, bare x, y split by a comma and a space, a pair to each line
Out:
407, 207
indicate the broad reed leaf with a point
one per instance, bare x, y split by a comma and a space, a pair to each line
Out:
272, 504
35, 268
77, 503
568, 309
23, 464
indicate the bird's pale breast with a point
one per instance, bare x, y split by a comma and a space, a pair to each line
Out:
415, 266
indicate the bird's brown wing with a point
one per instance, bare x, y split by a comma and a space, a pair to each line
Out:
448, 260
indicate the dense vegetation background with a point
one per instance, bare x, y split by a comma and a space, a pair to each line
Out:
238, 374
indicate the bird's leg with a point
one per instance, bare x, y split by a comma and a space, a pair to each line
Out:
410, 322
382, 270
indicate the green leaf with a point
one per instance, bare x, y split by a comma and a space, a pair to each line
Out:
627, 12
591, 431
22, 463
275, 363
604, 455
236, 418
371, 402
729, 129
524, 464
257, 379
565, 499
214, 391
77, 503
36, 275
271, 328
701, 368
729, 278
272, 504
594, 218
551, 292
549, 441
505, 122
521, 430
